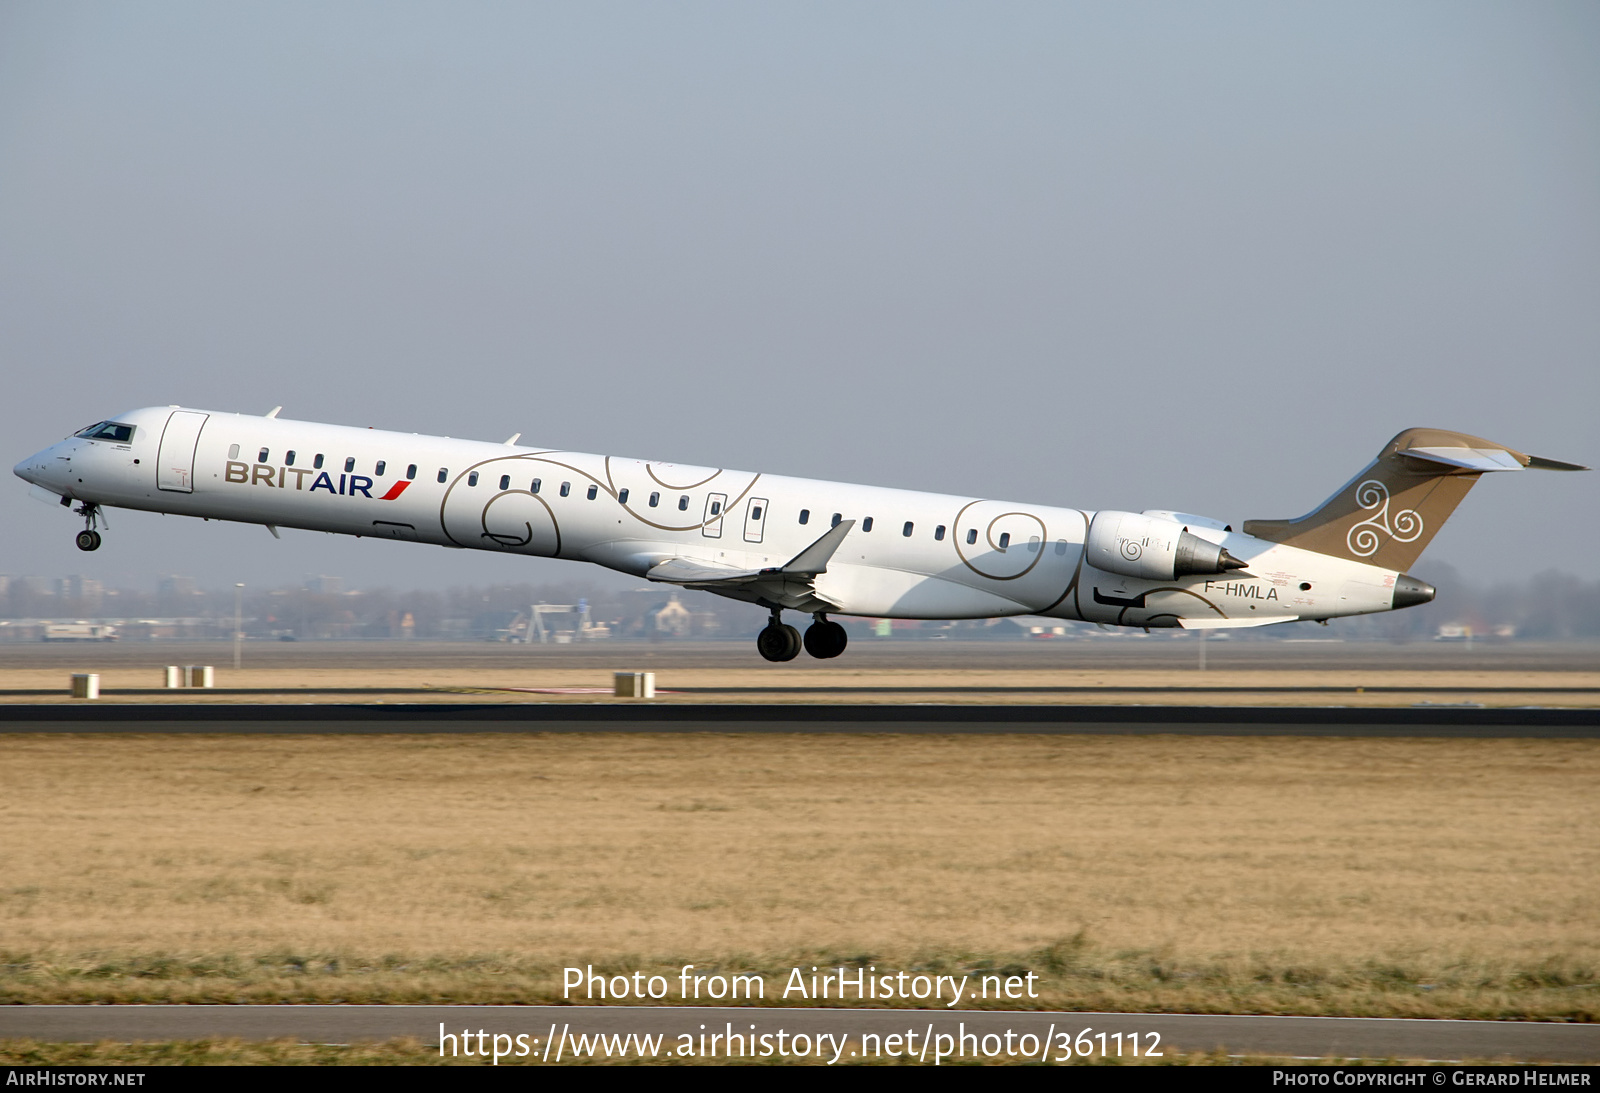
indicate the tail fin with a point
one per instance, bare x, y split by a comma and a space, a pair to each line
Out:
1389, 512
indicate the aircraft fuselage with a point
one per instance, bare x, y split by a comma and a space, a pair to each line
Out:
908, 555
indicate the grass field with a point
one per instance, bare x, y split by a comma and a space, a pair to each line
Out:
1383, 877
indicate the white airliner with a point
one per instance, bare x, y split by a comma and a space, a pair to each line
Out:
822, 548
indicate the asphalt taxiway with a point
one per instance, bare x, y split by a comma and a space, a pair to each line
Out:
644, 716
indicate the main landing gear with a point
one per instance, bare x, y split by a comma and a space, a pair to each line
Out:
779, 642
89, 538
824, 639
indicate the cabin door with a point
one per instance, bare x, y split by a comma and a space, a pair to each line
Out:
175, 463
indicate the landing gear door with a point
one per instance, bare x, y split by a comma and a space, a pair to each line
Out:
175, 463
755, 519
715, 504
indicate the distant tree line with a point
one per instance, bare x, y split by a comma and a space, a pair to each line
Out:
1544, 606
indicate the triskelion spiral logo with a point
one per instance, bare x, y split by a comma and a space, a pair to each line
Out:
1131, 549
1363, 539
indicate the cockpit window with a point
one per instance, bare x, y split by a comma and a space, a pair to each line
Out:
107, 430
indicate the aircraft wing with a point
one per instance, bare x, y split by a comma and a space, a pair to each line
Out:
790, 585
685, 571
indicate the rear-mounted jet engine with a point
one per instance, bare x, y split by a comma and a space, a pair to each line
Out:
1152, 548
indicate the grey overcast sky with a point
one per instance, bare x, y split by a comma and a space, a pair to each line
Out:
1196, 256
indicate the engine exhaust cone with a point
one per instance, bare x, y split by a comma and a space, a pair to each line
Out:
1408, 591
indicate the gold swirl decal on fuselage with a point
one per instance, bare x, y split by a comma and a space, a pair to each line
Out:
1077, 572
586, 477
504, 540
649, 469
989, 537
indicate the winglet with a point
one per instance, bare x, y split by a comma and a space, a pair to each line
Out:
512, 439
272, 412
814, 558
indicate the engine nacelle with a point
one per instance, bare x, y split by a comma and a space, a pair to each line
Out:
1152, 548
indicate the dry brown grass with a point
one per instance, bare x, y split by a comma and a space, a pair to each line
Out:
1421, 877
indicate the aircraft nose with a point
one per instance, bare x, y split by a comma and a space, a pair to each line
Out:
28, 469
36, 469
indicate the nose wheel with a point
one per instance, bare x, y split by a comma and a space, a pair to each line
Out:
778, 642
89, 538
825, 639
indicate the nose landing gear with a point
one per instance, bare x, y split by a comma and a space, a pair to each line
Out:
824, 639
89, 538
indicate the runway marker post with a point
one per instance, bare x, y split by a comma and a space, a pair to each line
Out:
634, 684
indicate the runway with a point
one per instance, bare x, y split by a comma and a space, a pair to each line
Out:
554, 1031
1305, 721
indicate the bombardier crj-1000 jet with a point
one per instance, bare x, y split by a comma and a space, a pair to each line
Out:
821, 548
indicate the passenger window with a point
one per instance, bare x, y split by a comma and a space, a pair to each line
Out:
1061, 546
683, 503
1005, 539
938, 534
805, 516
836, 518
594, 491
906, 531
566, 488
972, 536
505, 481
472, 479
655, 499
262, 458
317, 464
411, 472
536, 484
444, 472
288, 458
1033, 544
349, 464
379, 469
233, 451
866, 525
622, 496
716, 508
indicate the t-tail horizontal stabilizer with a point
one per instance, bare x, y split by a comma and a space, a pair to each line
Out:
1389, 512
